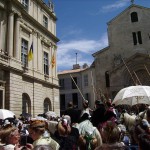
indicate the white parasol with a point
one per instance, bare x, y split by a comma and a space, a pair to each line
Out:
4, 113
133, 95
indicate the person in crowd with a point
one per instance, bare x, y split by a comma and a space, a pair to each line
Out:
142, 128
110, 113
10, 137
144, 141
86, 108
66, 135
37, 132
111, 137
89, 135
148, 115
98, 113
72, 112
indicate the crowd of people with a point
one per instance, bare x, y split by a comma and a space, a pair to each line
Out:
105, 128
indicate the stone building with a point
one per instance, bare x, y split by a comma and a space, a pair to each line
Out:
28, 85
126, 60
83, 88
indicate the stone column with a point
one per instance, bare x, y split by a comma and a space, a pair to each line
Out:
10, 34
17, 43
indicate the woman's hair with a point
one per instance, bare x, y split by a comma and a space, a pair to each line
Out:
6, 131
63, 127
38, 126
112, 132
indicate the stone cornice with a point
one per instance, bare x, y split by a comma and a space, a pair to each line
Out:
47, 9
22, 12
34, 78
39, 26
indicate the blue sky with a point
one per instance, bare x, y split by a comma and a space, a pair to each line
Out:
82, 28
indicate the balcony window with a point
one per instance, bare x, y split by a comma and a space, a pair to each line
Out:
25, 3
75, 99
45, 21
62, 83
86, 80
74, 84
46, 70
62, 101
24, 52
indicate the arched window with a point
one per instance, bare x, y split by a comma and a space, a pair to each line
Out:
134, 17
47, 105
107, 79
26, 103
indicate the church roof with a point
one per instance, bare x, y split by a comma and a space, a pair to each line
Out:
130, 7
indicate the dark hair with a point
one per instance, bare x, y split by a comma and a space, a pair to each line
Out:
148, 112
99, 102
70, 104
144, 141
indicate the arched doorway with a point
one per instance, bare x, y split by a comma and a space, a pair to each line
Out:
47, 105
26, 103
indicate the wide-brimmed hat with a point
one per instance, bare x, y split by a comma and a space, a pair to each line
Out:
37, 123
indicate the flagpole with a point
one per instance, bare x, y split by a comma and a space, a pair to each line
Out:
30, 57
93, 85
128, 70
77, 87
52, 66
147, 70
33, 88
137, 78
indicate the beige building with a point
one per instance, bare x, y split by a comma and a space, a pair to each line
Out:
76, 85
28, 86
126, 61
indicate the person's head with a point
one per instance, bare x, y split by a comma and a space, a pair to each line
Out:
85, 104
108, 103
70, 104
9, 134
99, 103
64, 127
36, 128
145, 125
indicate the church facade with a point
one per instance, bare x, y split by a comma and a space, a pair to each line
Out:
126, 60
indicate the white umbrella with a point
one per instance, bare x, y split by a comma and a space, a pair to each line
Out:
133, 95
4, 113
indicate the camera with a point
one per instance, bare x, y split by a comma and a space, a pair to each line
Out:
23, 139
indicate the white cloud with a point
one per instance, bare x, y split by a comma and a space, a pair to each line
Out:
116, 5
66, 56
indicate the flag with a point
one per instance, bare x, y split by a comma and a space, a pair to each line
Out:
30, 54
53, 61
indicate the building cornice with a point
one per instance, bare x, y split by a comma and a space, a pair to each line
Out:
47, 9
24, 74
30, 19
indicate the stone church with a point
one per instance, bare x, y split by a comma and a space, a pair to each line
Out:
126, 60
28, 86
